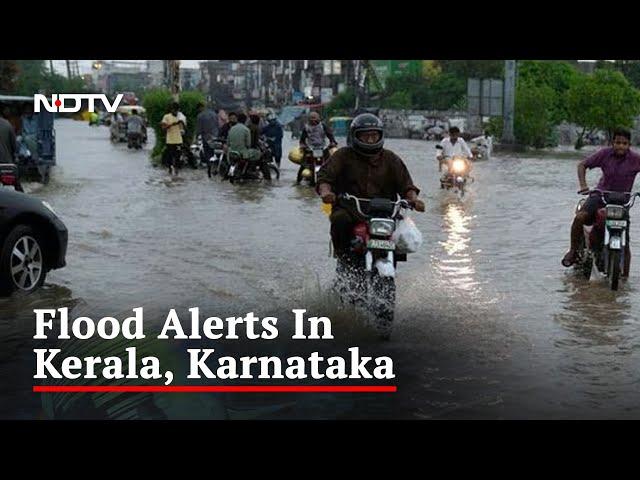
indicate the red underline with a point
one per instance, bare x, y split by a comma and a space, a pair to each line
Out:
208, 388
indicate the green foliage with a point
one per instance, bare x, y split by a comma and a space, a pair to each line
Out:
341, 104
495, 126
559, 76
473, 68
8, 75
28, 77
603, 101
189, 100
533, 122
157, 102
398, 100
441, 92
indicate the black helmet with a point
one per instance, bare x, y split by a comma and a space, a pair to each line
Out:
363, 123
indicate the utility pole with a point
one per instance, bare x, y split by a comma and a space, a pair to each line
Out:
509, 101
51, 67
68, 68
173, 70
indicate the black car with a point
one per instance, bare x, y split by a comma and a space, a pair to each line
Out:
33, 241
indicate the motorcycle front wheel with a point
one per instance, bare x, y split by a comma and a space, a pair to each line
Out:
382, 300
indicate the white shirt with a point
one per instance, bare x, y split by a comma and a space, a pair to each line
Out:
181, 117
485, 141
459, 149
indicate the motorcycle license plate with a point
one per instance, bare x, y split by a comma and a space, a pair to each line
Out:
615, 243
617, 223
318, 153
232, 169
317, 168
376, 244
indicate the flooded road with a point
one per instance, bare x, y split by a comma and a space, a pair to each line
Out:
488, 323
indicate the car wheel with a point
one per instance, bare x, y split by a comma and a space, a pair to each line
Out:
22, 265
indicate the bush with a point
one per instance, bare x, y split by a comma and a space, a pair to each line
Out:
533, 121
603, 101
157, 102
189, 106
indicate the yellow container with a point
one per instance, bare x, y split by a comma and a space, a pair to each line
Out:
296, 155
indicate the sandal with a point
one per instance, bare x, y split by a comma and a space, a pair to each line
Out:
569, 259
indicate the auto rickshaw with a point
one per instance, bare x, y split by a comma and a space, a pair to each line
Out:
118, 128
340, 125
35, 137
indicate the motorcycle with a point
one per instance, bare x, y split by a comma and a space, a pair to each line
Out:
367, 272
605, 243
310, 166
480, 152
457, 177
238, 168
186, 158
134, 140
217, 163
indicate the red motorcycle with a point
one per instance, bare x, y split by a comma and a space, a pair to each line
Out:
367, 274
606, 242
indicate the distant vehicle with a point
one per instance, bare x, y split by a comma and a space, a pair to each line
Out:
35, 137
129, 98
417, 125
33, 241
118, 130
340, 125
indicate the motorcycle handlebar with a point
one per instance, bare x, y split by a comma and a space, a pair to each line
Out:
400, 203
602, 193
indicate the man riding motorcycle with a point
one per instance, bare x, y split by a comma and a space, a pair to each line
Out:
619, 167
314, 136
452, 146
135, 129
274, 133
207, 128
366, 170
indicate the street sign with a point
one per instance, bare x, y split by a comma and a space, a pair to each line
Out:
484, 96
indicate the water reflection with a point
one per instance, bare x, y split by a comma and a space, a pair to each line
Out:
458, 265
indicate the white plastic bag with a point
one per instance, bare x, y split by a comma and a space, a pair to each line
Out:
407, 237
385, 268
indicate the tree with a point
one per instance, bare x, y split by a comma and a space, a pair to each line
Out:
441, 92
341, 104
557, 75
602, 101
8, 75
398, 100
533, 123
31, 77
473, 68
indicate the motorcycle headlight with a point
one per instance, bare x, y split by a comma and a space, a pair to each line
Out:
459, 165
615, 212
382, 227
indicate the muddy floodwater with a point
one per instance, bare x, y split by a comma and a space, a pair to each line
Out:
488, 323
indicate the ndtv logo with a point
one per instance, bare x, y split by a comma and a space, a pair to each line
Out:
58, 102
